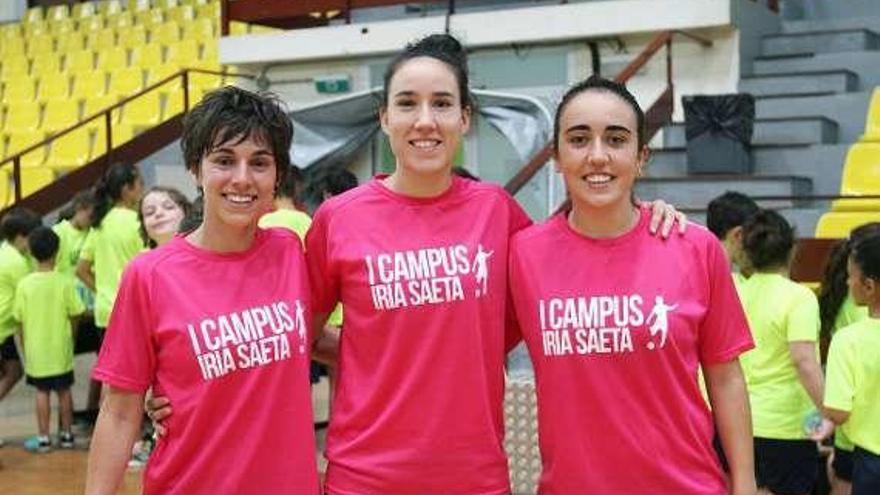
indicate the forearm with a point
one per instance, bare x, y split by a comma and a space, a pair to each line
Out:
116, 431
84, 273
809, 371
730, 405
326, 343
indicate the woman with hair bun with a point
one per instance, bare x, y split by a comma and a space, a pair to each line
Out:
785, 380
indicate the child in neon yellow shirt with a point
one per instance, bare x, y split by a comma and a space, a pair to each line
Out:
45, 302
853, 388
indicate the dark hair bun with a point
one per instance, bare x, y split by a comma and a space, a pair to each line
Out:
767, 239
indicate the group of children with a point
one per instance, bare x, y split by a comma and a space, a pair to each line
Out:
792, 403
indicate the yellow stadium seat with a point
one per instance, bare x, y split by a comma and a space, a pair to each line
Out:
99, 104
156, 74
58, 12
15, 67
165, 33
121, 21
838, 224
55, 87
34, 179
872, 123
206, 82
208, 10
113, 58
70, 42
12, 46
47, 64
20, 90
90, 84
6, 194
33, 14
125, 82
35, 28
62, 26
147, 56
22, 140
149, 18
144, 111
260, 29
84, 10
79, 61
199, 29
70, 151
184, 54
89, 24
40, 44
181, 15
60, 115
174, 102
10, 30
861, 177
110, 7
237, 28
22, 116
122, 133
105, 38
139, 5
210, 52
166, 4
133, 37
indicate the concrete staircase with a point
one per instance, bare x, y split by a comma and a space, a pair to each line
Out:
812, 82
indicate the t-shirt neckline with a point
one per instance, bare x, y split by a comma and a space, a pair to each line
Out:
642, 224
376, 183
180, 242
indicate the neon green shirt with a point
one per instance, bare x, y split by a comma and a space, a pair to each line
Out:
780, 312
13, 267
70, 244
848, 314
110, 247
44, 304
853, 381
293, 220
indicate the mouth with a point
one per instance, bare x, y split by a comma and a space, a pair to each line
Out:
238, 199
425, 144
598, 181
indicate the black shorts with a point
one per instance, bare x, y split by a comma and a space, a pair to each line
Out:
8, 351
51, 383
866, 473
842, 464
88, 337
786, 467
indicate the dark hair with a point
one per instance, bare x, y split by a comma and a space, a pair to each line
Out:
834, 288
289, 187
196, 214
866, 255
43, 242
82, 200
232, 113
728, 211
464, 173
19, 222
338, 181
109, 188
598, 83
442, 47
767, 240
179, 199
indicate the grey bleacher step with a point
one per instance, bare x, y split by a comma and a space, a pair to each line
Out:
847, 109
801, 84
822, 163
819, 42
816, 25
693, 192
806, 130
865, 64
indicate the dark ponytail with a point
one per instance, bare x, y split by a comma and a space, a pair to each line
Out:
768, 239
109, 188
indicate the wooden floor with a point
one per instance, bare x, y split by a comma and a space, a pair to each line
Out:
63, 472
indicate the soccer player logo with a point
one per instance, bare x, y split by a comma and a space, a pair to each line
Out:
481, 269
659, 321
301, 326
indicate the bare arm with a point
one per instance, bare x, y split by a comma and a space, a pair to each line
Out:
84, 273
836, 415
326, 341
803, 354
118, 427
730, 404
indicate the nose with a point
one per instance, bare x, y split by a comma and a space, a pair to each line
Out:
598, 153
425, 117
241, 173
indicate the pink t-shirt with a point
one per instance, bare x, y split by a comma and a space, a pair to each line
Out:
616, 330
225, 338
418, 402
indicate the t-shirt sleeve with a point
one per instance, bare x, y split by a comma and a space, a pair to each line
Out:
323, 281
73, 302
802, 323
724, 332
518, 218
87, 252
18, 305
839, 378
128, 356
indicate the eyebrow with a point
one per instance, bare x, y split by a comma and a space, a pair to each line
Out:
584, 127
260, 152
445, 94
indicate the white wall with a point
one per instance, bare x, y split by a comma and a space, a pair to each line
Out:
12, 10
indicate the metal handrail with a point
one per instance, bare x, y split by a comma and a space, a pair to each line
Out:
107, 114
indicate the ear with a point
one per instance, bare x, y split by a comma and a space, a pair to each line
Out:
736, 234
643, 159
383, 119
871, 288
466, 114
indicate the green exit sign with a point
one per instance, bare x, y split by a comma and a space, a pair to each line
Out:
333, 84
